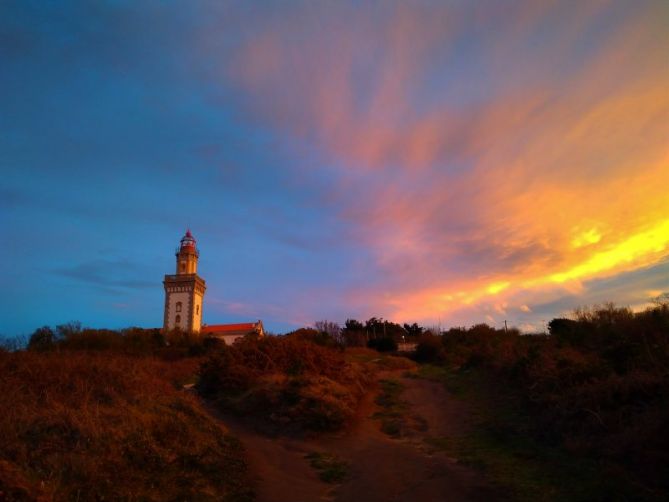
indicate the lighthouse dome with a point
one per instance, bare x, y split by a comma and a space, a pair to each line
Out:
188, 240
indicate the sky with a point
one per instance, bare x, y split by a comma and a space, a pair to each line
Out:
440, 162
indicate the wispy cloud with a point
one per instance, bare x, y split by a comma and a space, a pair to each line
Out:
417, 160
527, 149
109, 274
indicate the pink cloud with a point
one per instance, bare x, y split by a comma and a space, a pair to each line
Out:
453, 189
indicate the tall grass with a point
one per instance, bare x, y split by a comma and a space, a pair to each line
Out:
91, 426
286, 382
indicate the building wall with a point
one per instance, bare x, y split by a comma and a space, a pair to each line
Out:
186, 263
197, 312
230, 339
173, 298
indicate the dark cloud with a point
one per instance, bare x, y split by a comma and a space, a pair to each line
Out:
110, 274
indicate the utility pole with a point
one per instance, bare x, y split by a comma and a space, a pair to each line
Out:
505, 328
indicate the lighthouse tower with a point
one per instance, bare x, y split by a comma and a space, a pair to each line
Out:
184, 290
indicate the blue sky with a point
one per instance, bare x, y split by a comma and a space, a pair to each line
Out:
418, 161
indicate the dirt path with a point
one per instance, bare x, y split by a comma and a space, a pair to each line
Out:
381, 469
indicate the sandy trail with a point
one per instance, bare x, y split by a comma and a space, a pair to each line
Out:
382, 469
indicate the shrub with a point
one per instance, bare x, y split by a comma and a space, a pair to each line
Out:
383, 344
171, 346
284, 381
598, 385
87, 426
314, 336
42, 339
429, 349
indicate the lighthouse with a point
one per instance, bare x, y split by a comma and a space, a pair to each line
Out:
184, 290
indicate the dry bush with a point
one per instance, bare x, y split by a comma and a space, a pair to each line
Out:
374, 360
392, 362
285, 381
88, 426
599, 385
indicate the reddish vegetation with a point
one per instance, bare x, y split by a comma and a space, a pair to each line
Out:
92, 426
285, 381
93, 414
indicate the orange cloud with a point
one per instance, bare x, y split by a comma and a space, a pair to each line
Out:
483, 154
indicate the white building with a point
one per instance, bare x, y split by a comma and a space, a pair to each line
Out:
184, 293
185, 290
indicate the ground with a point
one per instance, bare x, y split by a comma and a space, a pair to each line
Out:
364, 463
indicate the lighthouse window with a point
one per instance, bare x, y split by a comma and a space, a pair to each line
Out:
197, 309
177, 320
178, 306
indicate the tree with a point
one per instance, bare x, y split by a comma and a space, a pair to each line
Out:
429, 349
353, 334
661, 301
67, 330
383, 344
331, 329
413, 329
42, 339
353, 325
380, 328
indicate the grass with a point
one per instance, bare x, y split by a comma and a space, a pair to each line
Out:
331, 469
496, 444
452, 380
105, 426
396, 418
378, 360
393, 409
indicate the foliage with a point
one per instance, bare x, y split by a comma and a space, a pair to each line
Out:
353, 334
322, 338
89, 426
380, 328
170, 345
429, 349
331, 330
598, 386
383, 344
331, 469
42, 339
393, 409
286, 382
413, 330
377, 333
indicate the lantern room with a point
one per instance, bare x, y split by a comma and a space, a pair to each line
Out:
187, 255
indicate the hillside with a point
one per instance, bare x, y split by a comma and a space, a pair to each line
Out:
106, 426
580, 414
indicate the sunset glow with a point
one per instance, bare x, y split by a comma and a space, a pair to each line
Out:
449, 162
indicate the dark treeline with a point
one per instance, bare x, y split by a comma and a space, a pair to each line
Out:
173, 344
375, 333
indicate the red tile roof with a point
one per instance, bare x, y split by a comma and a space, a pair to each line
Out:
226, 328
